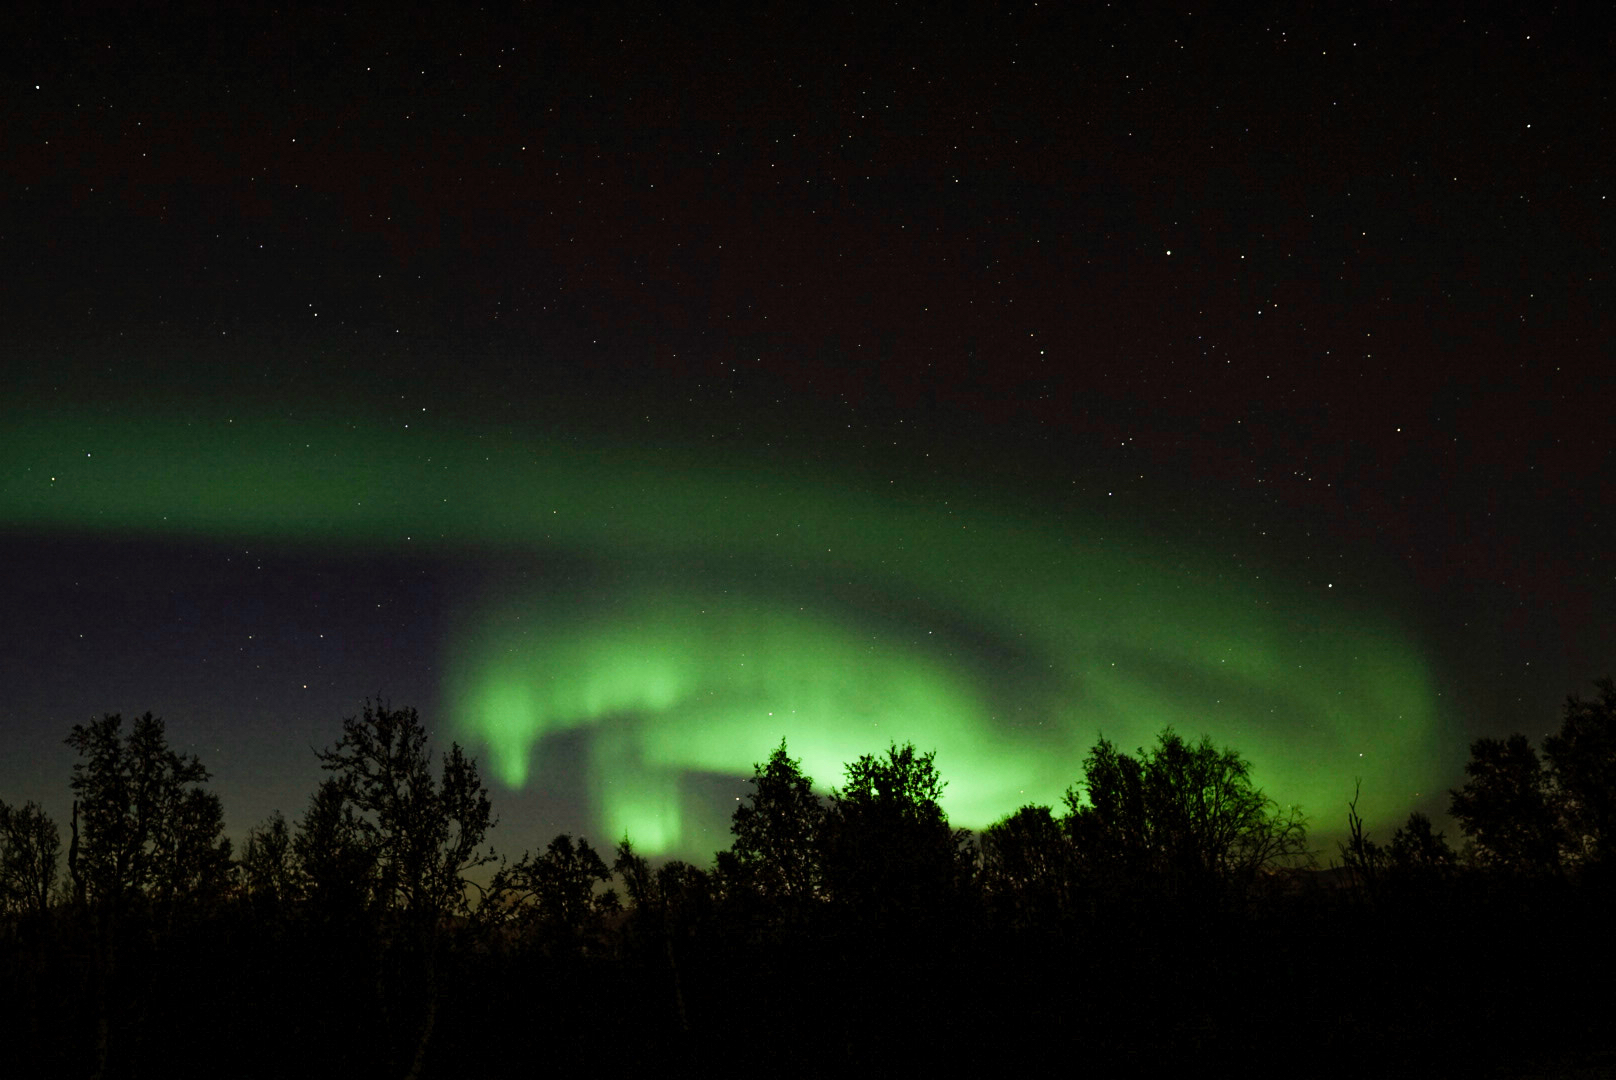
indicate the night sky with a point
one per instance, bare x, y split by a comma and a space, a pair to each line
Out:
629, 390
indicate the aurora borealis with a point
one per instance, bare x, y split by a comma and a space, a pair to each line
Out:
629, 392
716, 609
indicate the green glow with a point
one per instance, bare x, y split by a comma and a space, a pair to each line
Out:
679, 679
725, 608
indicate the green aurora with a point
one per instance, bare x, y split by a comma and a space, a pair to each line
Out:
712, 609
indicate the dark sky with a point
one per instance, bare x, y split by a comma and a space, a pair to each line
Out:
518, 364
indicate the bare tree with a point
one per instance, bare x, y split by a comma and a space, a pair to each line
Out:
1359, 854
143, 825
144, 831
415, 838
29, 848
425, 835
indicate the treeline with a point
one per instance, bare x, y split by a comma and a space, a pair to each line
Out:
1167, 913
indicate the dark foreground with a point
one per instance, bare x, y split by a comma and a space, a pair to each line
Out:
1504, 978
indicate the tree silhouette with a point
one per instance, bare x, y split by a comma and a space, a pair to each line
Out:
1114, 828
666, 904
143, 831
1029, 869
1505, 807
413, 838
819, 910
1582, 762
1188, 815
1366, 859
552, 898
143, 827
193, 854
29, 848
336, 865
890, 854
423, 836
777, 833
1417, 848
268, 863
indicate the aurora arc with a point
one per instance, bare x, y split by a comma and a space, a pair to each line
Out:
720, 608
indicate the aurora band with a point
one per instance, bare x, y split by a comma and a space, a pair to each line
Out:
711, 609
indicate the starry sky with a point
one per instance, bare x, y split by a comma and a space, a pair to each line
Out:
628, 390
